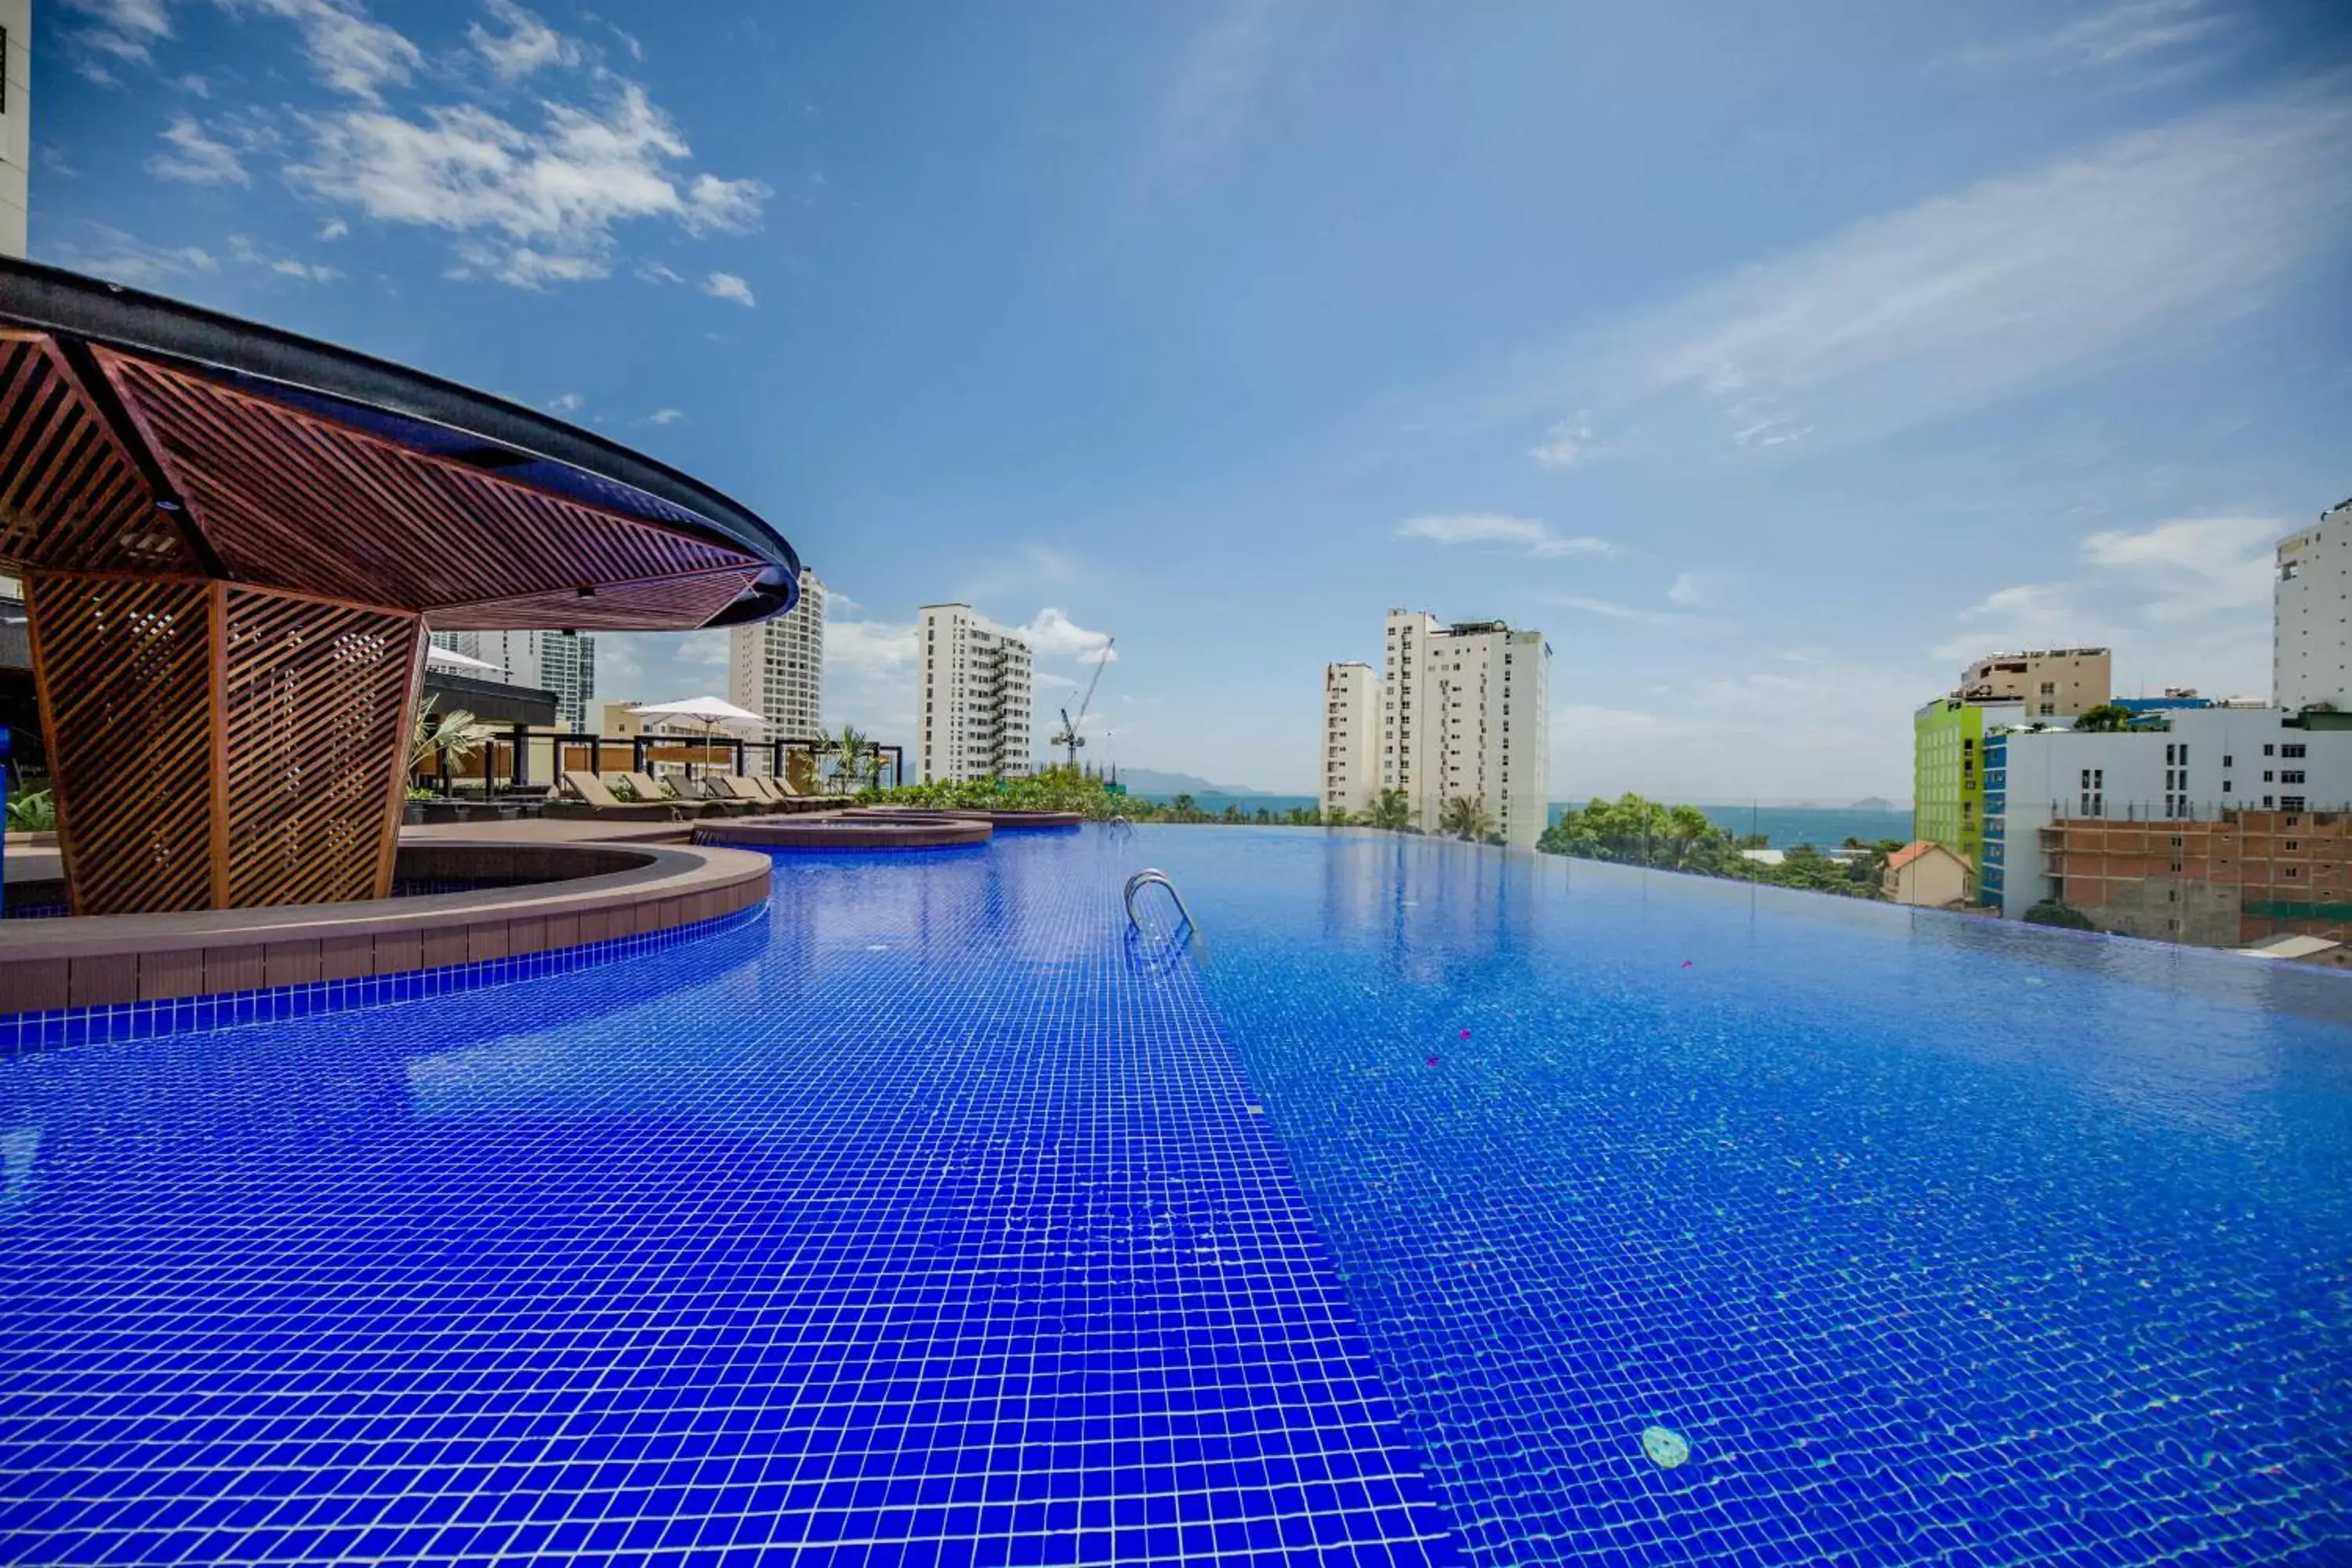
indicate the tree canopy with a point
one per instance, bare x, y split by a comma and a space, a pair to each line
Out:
1632, 831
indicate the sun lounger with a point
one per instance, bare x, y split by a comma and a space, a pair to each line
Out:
586, 796
646, 787
731, 796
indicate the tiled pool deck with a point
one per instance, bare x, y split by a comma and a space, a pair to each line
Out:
936, 1220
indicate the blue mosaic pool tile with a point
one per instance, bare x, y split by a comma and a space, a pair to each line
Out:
126, 1021
1938, 1240
927, 1221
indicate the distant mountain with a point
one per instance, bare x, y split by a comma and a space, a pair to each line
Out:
1151, 780
1876, 803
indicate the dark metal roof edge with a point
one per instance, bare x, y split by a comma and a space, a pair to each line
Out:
50, 299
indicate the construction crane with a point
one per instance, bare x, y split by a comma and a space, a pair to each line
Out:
1069, 738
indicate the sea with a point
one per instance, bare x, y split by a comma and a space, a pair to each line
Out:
1824, 827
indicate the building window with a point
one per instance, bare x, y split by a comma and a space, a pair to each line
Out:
2291, 775
2269, 750
2292, 748
2269, 776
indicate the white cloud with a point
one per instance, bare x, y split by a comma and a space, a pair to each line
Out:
1215, 87
2195, 565
1047, 677
868, 647
1051, 634
1687, 589
1962, 299
243, 251
655, 272
727, 286
2183, 602
2136, 35
566, 403
194, 158
667, 416
704, 647
193, 85
334, 228
1526, 534
351, 51
123, 259
1609, 609
526, 45
714, 206
1568, 443
125, 29
531, 207
616, 658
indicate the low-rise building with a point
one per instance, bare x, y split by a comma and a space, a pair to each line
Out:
2051, 796
2048, 682
1927, 874
1948, 772
2241, 878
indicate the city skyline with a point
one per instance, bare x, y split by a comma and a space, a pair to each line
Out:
1957, 333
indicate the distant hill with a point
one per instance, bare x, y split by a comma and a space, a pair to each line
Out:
1151, 780
1876, 802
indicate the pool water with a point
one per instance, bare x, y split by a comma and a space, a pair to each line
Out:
942, 1219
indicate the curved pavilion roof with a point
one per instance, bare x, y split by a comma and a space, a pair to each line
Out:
140, 435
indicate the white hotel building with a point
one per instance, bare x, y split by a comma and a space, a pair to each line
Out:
776, 668
1352, 737
974, 695
1463, 713
561, 662
2311, 615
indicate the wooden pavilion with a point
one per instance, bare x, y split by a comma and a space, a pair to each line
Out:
235, 542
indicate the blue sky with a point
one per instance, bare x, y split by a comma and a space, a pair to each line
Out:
1773, 360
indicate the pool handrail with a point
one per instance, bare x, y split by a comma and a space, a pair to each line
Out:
1148, 878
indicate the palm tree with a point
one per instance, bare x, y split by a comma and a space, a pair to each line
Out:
854, 756
1466, 816
455, 736
1391, 809
1184, 808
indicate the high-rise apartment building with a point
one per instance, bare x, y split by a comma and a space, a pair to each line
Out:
561, 662
15, 123
2052, 682
776, 668
973, 695
1351, 736
2311, 615
1465, 714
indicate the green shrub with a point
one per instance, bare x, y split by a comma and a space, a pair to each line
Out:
34, 813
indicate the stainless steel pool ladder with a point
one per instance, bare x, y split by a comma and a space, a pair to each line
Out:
1146, 878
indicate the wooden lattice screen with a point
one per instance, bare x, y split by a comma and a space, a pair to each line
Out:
222, 746
124, 667
315, 702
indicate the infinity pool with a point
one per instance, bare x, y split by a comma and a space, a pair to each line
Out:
1439, 1206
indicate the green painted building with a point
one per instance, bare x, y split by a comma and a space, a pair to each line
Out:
1948, 775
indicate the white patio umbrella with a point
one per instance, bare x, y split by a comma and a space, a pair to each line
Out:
439, 658
710, 712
